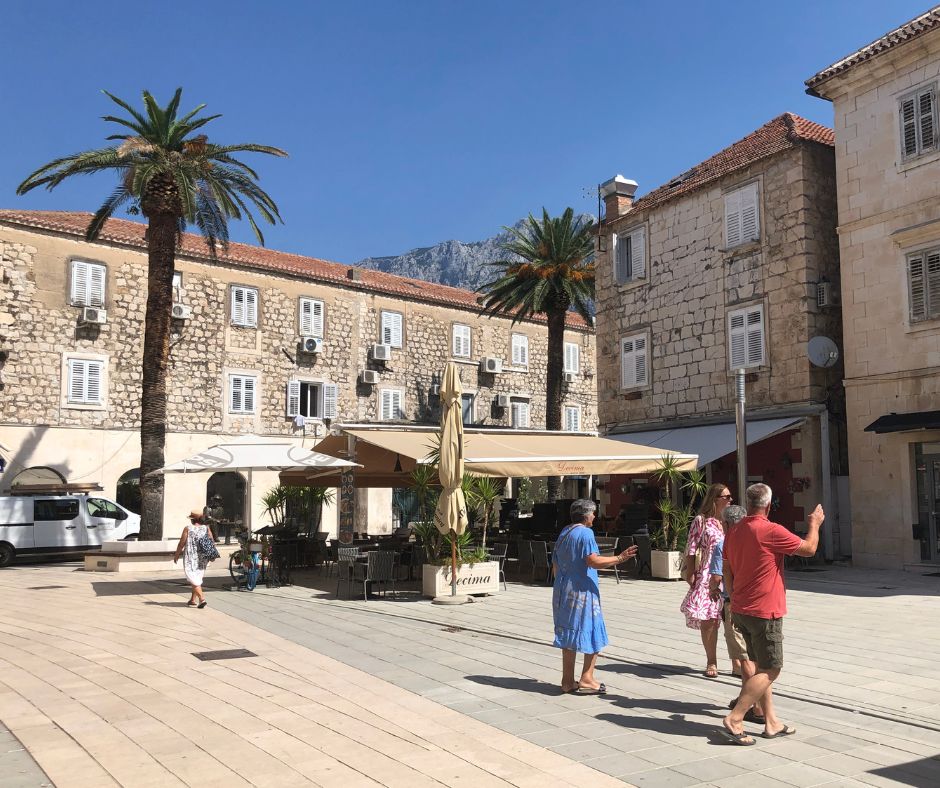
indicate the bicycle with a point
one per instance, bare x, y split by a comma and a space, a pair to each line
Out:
244, 565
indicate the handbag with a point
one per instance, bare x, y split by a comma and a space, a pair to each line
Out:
692, 562
205, 548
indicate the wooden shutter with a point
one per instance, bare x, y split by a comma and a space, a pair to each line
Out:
76, 380
177, 287
520, 350
293, 398
737, 340
926, 110
88, 283
93, 370
572, 360
248, 394
520, 415
311, 317
391, 329
391, 405
236, 401
917, 284
330, 394
732, 219
79, 282
461, 341
755, 337
572, 419
622, 271
750, 214
638, 253
908, 119
640, 364
96, 278
251, 306
633, 362
238, 306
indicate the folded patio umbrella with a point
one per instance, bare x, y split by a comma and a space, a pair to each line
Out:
451, 514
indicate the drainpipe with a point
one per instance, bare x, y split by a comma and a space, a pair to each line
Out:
740, 434
826, 473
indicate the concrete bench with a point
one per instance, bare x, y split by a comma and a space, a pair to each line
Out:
133, 557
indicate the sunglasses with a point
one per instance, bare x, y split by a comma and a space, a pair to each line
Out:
726, 497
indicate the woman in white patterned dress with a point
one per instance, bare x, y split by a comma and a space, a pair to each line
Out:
194, 566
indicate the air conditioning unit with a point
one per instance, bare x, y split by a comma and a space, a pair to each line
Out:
503, 401
382, 352
311, 344
94, 315
569, 377
492, 365
824, 294
370, 376
182, 312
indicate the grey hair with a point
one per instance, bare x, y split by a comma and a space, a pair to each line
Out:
733, 514
758, 496
581, 508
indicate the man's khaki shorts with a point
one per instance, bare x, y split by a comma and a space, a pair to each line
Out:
737, 648
763, 637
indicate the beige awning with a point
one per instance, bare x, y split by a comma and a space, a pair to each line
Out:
500, 453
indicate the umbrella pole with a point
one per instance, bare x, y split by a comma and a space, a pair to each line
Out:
453, 564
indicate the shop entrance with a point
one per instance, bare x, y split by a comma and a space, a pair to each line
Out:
927, 465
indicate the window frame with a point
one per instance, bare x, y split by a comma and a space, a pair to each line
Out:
929, 285
243, 377
401, 404
391, 313
744, 330
636, 269
251, 310
572, 409
635, 383
327, 398
87, 298
515, 405
576, 368
512, 349
178, 290
739, 193
70, 361
315, 330
915, 97
468, 338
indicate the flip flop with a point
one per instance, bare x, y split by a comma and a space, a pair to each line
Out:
786, 730
711, 672
758, 719
601, 690
733, 703
742, 739
202, 604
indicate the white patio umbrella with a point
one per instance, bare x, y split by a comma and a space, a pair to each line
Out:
451, 514
254, 452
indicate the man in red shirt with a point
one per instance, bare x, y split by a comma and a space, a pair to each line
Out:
754, 552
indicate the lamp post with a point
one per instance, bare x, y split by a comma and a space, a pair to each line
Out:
740, 433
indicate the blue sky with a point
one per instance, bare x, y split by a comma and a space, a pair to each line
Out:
415, 121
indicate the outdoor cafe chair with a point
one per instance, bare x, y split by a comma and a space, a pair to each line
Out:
331, 556
345, 561
644, 554
525, 556
379, 568
540, 562
498, 552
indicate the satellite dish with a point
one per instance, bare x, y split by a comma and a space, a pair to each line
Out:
822, 352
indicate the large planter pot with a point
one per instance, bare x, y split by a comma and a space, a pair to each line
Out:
665, 564
481, 578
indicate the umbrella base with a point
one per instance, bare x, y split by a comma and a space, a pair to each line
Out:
459, 599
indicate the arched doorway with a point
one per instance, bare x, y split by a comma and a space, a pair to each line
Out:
128, 490
37, 475
225, 497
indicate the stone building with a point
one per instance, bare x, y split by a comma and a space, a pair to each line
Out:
887, 147
731, 265
263, 342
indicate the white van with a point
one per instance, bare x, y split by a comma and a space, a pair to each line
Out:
60, 524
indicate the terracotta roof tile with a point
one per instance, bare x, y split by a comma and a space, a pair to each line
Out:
128, 233
929, 20
782, 133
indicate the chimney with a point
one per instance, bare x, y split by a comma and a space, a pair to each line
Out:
618, 196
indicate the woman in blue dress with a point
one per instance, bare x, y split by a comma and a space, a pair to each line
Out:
576, 600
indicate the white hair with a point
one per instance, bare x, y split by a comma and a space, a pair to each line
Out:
758, 496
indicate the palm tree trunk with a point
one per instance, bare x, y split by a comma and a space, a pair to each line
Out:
553, 390
161, 247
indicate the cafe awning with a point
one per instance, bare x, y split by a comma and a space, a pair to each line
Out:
388, 455
906, 422
708, 441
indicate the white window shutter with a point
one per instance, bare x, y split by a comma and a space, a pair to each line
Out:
755, 337
927, 116
392, 329
638, 253
251, 306
571, 357
317, 317
736, 339
520, 350
93, 382
76, 381
572, 419
248, 392
238, 306
330, 394
306, 317
385, 405
461, 341
96, 281
235, 394
750, 214
733, 219
640, 364
293, 398
627, 364
79, 282
520, 415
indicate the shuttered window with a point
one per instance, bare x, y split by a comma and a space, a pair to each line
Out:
573, 418
390, 405
520, 415
312, 400
630, 255
742, 216
923, 278
85, 382
177, 287
88, 282
391, 328
572, 358
244, 306
917, 114
746, 338
634, 362
311, 317
460, 343
520, 350
242, 392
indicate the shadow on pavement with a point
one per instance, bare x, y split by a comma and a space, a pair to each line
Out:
645, 671
676, 725
926, 771
517, 683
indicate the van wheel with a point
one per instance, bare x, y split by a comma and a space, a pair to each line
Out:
7, 554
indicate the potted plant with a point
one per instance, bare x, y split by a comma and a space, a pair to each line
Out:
669, 537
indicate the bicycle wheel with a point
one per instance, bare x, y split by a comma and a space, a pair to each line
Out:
236, 570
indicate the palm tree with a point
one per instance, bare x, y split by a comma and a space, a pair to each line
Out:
174, 178
551, 272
